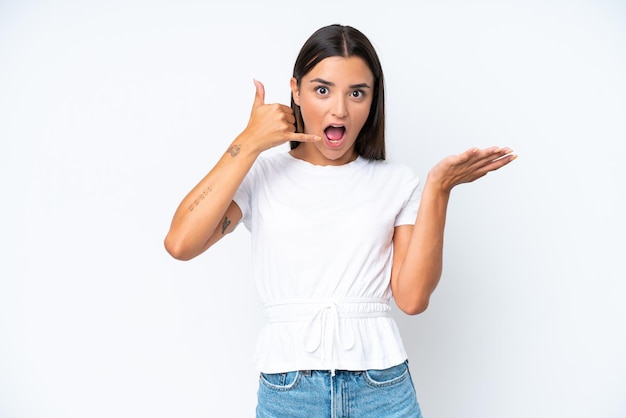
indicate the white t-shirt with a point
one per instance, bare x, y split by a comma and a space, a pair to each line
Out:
322, 255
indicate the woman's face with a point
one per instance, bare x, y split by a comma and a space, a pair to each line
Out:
335, 98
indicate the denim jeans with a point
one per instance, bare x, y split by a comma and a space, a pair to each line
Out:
385, 393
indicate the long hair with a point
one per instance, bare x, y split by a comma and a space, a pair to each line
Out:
346, 41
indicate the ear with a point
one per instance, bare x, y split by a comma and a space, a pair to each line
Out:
295, 91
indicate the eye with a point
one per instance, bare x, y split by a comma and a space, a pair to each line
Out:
357, 94
322, 90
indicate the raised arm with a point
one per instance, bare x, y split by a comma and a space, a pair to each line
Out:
208, 212
418, 250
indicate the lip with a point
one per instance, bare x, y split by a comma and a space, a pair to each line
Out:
335, 143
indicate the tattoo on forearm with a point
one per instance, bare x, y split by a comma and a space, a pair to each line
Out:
234, 150
225, 224
200, 198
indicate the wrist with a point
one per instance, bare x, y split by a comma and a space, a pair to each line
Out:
243, 144
437, 184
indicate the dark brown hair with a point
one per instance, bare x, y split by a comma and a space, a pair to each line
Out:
346, 41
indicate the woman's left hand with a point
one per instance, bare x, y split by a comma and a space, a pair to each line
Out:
469, 166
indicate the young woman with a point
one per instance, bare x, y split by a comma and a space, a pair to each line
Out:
337, 231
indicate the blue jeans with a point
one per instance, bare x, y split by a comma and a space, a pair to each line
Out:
385, 393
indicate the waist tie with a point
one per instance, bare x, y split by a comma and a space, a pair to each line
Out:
327, 313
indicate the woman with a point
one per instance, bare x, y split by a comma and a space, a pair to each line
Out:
336, 230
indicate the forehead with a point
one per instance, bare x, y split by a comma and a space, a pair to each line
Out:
342, 70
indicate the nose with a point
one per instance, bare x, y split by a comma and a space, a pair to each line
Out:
339, 108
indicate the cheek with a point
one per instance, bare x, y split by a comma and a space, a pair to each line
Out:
362, 113
310, 112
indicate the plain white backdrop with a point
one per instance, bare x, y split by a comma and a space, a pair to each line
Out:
111, 111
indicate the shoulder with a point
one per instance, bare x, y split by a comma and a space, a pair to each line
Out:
271, 157
392, 169
269, 162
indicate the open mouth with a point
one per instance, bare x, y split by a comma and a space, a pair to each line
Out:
335, 134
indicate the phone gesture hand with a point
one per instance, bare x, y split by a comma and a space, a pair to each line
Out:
272, 124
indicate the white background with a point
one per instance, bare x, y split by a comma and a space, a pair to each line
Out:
111, 111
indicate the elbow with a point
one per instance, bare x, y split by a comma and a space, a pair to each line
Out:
413, 307
176, 249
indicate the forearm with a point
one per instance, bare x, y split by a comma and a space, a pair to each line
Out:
419, 260
421, 267
201, 211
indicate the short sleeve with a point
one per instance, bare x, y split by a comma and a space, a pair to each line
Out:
243, 195
408, 212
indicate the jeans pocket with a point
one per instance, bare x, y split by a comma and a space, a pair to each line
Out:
280, 381
387, 377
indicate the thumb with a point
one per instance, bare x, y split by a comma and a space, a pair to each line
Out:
259, 97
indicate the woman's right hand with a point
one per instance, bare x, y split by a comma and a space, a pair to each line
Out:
271, 125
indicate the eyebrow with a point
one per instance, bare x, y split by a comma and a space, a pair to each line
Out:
331, 84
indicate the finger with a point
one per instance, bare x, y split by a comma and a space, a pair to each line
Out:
482, 161
502, 155
305, 138
485, 156
482, 153
471, 154
259, 96
490, 150
498, 163
504, 160
288, 116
